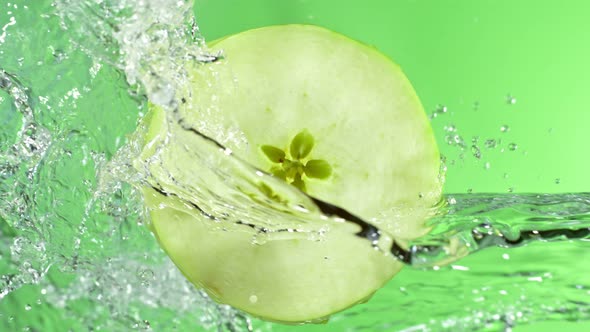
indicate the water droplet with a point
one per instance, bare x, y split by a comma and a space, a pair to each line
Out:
450, 128
449, 139
487, 165
491, 143
441, 109
475, 151
512, 147
452, 200
510, 99
504, 128
28, 307
511, 189
253, 298
557, 181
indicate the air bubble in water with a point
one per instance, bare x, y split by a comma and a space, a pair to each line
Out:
145, 276
512, 147
504, 128
557, 181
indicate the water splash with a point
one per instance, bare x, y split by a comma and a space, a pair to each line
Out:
73, 226
66, 215
472, 222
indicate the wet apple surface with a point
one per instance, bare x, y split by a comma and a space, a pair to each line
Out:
340, 122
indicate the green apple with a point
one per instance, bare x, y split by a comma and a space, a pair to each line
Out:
335, 119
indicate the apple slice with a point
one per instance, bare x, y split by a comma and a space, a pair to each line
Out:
334, 118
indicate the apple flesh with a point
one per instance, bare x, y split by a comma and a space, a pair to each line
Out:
340, 122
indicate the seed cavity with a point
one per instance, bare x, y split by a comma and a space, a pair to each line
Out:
293, 163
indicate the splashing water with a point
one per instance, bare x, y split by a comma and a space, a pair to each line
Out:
74, 248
